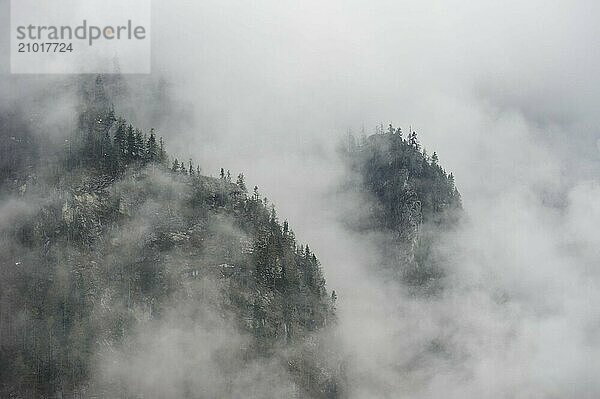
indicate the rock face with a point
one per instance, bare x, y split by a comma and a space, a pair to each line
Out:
408, 199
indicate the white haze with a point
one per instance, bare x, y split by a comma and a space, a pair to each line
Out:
505, 92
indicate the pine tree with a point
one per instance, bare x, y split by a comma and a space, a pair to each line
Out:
273, 217
120, 138
111, 118
333, 300
131, 147
161, 152
152, 150
106, 152
240, 182
391, 129
286, 228
413, 141
139, 148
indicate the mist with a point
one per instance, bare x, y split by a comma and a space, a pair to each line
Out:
505, 92
507, 95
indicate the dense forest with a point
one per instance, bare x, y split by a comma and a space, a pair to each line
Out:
107, 234
408, 198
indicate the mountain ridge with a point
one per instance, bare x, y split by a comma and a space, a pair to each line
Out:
113, 232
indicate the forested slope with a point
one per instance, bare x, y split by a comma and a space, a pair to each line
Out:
408, 199
108, 236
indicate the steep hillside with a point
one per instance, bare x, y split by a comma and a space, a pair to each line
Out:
407, 197
113, 239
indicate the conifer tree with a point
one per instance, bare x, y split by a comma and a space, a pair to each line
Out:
161, 151
241, 183
111, 118
152, 150
106, 152
131, 147
286, 228
120, 138
413, 141
139, 147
